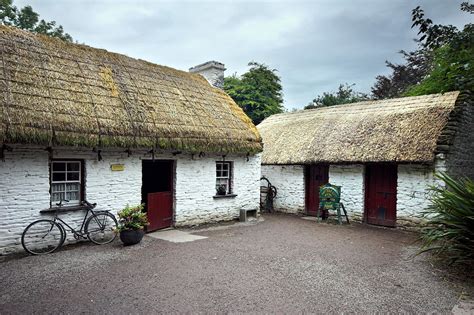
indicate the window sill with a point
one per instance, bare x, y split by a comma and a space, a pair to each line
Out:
224, 196
64, 209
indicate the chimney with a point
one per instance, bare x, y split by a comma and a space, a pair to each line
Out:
212, 71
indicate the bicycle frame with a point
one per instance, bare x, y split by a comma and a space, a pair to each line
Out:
77, 233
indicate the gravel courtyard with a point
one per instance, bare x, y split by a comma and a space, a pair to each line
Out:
283, 264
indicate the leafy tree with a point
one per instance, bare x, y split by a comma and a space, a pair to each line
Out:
442, 62
26, 18
453, 55
258, 91
417, 65
344, 95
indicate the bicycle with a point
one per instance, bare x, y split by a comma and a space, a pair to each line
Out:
45, 236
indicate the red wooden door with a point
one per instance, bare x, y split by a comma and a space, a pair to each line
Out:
315, 176
381, 194
160, 210
157, 192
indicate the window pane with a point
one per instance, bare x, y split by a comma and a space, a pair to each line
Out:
72, 176
59, 177
58, 187
56, 197
59, 166
72, 187
73, 166
72, 195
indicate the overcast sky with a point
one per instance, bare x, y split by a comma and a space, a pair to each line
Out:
315, 45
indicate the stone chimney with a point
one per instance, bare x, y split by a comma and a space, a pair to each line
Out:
213, 71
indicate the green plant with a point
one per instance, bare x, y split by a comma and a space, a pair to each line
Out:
449, 233
132, 218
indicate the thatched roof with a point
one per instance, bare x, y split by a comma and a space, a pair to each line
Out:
395, 130
56, 93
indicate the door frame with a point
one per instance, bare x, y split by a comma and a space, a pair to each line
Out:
172, 180
366, 190
306, 178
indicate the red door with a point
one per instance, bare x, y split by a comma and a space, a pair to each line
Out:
160, 210
381, 194
315, 176
157, 193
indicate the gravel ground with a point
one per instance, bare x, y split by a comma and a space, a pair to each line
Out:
283, 264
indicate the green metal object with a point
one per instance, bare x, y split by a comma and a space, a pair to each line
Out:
330, 199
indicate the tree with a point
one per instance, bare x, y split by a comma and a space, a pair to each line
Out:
26, 18
344, 95
417, 65
453, 55
258, 91
442, 62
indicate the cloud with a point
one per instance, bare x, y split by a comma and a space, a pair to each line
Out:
315, 45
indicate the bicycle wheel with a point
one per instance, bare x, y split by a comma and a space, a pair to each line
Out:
100, 228
42, 237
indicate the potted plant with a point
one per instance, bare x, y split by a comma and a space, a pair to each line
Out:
221, 190
132, 221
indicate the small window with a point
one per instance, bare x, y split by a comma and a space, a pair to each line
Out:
66, 182
224, 178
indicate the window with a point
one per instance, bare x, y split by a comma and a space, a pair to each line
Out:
224, 178
66, 181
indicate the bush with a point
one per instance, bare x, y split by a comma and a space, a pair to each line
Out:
132, 218
450, 230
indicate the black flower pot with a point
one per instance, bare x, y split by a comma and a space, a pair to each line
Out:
131, 237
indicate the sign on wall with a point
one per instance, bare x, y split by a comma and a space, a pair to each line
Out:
117, 167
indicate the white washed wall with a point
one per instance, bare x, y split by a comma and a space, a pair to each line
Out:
413, 194
351, 180
196, 187
24, 187
289, 181
413, 185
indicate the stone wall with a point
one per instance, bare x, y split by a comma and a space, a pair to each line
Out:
351, 180
413, 185
289, 181
460, 157
24, 187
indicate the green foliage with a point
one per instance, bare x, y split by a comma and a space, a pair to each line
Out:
258, 92
450, 232
26, 18
344, 95
132, 218
442, 62
453, 66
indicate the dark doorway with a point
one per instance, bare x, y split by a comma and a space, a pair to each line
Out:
157, 192
315, 176
381, 194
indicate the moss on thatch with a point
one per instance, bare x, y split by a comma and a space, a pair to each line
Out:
58, 93
395, 130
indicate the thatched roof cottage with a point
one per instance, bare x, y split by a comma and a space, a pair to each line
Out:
382, 153
83, 123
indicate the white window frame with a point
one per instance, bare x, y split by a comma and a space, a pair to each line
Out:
228, 178
66, 181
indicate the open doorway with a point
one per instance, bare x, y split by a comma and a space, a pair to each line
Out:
157, 192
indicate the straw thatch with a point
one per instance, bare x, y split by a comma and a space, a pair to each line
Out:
57, 93
397, 130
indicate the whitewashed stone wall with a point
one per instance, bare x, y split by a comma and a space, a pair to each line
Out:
24, 188
413, 184
289, 181
351, 180
196, 187
413, 194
